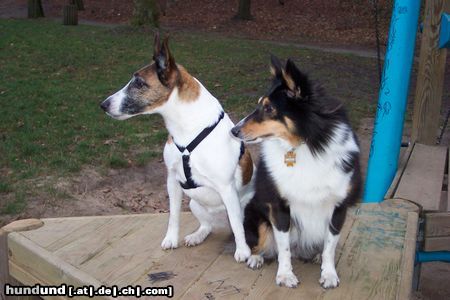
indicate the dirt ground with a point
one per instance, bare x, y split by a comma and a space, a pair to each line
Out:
346, 24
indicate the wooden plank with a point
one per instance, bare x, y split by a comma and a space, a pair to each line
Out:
226, 279
28, 279
448, 181
309, 288
371, 265
371, 262
186, 264
61, 228
31, 264
56, 229
430, 78
408, 257
443, 203
83, 248
72, 233
402, 163
128, 258
15, 282
23, 225
16, 226
448, 200
4, 270
437, 224
422, 180
441, 243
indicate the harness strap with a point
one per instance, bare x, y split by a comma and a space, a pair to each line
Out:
190, 184
200, 137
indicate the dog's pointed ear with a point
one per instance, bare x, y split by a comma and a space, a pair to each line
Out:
297, 82
165, 63
275, 66
156, 45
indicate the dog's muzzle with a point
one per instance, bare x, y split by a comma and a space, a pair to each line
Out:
236, 131
105, 105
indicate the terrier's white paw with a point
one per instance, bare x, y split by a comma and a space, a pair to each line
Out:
329, 279
242, 253
287, 279
169, 242
197, 237
255, 261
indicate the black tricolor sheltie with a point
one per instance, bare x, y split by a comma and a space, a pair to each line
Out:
307, 176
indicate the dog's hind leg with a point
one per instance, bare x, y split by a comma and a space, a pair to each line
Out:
205, 220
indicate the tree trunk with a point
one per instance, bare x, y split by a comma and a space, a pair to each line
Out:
80, 4
244, 10
35, 9
70, 15
145, 12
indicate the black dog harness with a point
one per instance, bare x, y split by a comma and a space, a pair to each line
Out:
186, 152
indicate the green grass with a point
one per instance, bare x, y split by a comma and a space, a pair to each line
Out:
53, 77
15, 206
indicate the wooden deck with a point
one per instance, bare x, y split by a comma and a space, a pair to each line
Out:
374, 258
423, 179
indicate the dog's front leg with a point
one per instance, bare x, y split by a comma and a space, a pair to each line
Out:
175, 195
285, 276
328, 276
232, 204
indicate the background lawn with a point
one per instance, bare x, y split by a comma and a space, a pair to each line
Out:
53, 77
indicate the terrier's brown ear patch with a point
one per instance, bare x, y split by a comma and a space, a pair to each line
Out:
188, 87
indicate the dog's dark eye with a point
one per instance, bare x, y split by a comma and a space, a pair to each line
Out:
139, 82
268, 109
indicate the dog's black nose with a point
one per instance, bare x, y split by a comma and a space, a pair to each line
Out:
235, 131
105, 104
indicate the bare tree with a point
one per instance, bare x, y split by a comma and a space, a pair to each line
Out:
244, 10
35, 9
145, 12
79, 4
70, 13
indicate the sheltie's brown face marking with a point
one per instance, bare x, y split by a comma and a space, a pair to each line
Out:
266, 122
152, 86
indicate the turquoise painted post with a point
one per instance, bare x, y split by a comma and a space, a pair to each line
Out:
433, 256
444, 36
393, 94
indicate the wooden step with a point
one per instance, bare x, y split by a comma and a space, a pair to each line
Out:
422, 179
437, 231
